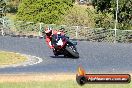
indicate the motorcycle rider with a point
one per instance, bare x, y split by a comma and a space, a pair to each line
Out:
49, 32
57, 38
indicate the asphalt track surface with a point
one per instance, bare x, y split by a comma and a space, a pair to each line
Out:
94, 57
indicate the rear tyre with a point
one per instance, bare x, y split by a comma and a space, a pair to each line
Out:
72, 51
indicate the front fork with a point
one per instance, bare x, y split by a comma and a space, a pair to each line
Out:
55, 52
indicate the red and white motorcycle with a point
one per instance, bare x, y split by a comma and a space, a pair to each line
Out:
64, 46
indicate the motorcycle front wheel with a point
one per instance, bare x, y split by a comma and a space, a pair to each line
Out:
72, 50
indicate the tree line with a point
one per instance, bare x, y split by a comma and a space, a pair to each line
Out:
65, 11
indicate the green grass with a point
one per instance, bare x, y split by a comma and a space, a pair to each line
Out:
62, 84
7, 58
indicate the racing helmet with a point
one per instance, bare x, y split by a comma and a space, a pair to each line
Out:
48, 31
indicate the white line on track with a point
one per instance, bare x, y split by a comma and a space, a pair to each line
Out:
31, 60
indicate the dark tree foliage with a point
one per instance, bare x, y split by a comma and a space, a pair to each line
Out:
124, 12
102, 5
2, 8
47, 11
2, 3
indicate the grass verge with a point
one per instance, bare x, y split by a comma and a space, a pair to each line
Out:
8, 58
60, 84
50, 81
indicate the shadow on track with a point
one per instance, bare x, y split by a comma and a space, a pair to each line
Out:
63, 57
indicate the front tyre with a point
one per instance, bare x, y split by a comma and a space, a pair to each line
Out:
72, 51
